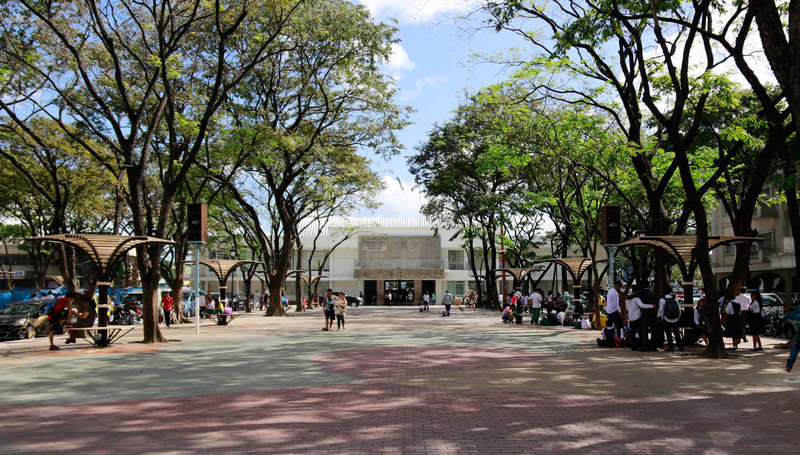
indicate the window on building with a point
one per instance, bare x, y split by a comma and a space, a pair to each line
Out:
455, 260
769, 240
456, 287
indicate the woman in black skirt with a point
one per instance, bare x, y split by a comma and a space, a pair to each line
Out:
733, 328
756, 321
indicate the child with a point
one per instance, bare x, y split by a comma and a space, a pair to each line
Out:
608, 336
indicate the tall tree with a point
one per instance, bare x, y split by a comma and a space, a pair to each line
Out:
312, 107
131, 73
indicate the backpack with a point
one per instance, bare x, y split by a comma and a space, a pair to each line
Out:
671, 308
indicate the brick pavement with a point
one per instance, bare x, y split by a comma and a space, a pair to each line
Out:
397, 381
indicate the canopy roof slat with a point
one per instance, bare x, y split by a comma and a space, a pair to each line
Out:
224, 267
682, 247
576, 266
103, 250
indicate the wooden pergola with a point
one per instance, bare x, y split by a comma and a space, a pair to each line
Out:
104, 251
576, 268
223, 268
683, 249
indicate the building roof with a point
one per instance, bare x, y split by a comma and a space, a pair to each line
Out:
309, 229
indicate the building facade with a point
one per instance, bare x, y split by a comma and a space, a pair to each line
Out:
772, 261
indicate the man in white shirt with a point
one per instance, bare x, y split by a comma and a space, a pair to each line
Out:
201, 301
536, 305
642, 321
613, 309
426, 301
744, 300
670, 320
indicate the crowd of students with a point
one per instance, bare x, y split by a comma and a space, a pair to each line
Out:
651, 319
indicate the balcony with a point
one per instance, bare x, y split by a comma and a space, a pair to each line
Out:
456, 265
401, 264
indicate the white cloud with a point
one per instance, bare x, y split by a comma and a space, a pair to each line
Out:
406, 95
399, 200
415, 11
399, 62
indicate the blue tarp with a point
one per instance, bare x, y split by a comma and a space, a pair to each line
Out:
19, 294
5, 298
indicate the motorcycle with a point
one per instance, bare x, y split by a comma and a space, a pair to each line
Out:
128, 314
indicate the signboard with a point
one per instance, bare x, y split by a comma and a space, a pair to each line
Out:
197, 221
374, 245
611, 225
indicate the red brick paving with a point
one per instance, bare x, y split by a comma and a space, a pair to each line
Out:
379, 417
404, 361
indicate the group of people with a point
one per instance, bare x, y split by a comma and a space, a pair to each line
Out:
651, 315
513, 306
68, 311
334, 307
739, 313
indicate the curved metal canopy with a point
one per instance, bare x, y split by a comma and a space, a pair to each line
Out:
575, 266
682, 247
103, 250
519, 273
224, 267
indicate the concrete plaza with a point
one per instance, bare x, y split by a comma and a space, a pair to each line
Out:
396, 381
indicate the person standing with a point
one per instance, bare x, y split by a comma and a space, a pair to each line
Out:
536, 306
732, 326
646, 303
390, 299
426, 301
613, 310
341, 308
166, 305
699, 322
670, 312
551, 304
58, 316
744, 311
756, 321
567, 299
447, 300
328, 309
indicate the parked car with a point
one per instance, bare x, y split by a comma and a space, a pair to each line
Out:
187, 302
134, 297
24, 319
351, 299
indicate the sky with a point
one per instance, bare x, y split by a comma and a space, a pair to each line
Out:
432, 69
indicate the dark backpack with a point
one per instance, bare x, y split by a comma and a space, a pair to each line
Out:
671, 308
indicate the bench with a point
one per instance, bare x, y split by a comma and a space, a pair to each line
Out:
222, 318
115, 332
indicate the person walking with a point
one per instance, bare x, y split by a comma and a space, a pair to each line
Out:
793, 355
670, 312
613, 310
536, 305
340, 309
756, 321
390, 299
426, 302
329, 311
447, 300
166, 305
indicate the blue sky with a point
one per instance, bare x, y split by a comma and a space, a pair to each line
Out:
432, 69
